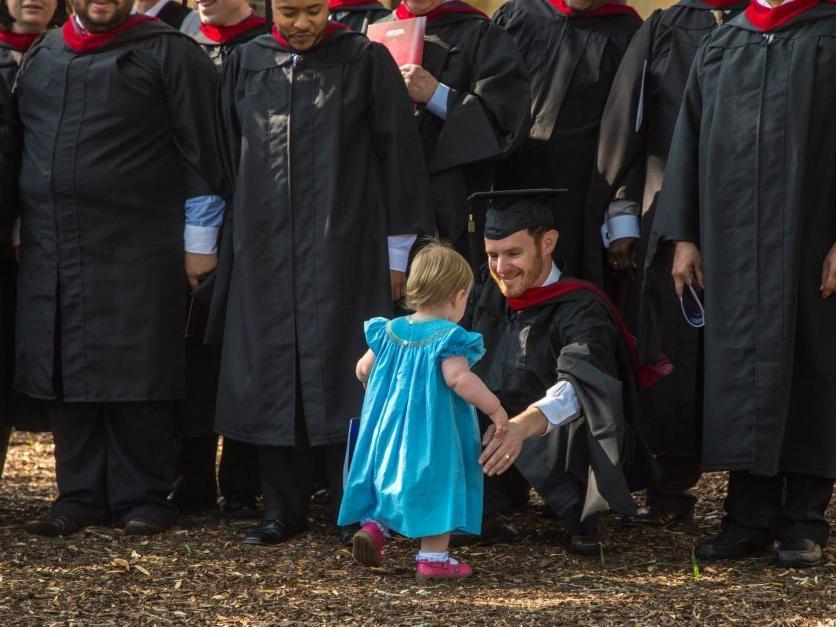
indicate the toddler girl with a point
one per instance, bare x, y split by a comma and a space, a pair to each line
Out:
415, 468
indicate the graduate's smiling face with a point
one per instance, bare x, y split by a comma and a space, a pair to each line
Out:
420, 7
31, 16
223, 12
100, 16
521, 261
301, 22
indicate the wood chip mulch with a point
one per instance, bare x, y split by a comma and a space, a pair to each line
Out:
200, 573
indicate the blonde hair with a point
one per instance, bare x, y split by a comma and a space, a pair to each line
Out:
437, 273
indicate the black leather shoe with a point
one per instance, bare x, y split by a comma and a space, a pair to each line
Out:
346, 534
732, 543
657, 517
240, 508
799, 553
143, 527
272, 532
587, 544
53, 526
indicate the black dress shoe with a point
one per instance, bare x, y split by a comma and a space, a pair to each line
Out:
799, 553
143, 527
657, 517
273, 532
346, 534
53, 526
732, 543
586, 544
240, 508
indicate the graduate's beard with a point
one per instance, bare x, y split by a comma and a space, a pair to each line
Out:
98, 25
525, 281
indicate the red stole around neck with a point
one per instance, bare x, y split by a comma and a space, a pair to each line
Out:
722, 4
769, 19
82, 42
330, 29
336, 5
19, 41
646, 374
611, 8
403, 13
223, 34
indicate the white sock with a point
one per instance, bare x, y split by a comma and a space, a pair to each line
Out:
426, 556
380, 526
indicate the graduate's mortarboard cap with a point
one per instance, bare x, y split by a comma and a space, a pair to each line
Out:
512, 210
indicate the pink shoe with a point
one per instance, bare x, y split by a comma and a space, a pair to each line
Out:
367, 545
425, 571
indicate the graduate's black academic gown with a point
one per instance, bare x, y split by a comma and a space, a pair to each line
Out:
358, 17
326, 164
218, 52
747, 182
173, 14
636, 130
115, 142
572, 61
572, 337
487, 111
15, 409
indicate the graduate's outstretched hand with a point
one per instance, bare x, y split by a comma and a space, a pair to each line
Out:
622, 256
420, 84
198, 267
501, 451
828, 274
687, 266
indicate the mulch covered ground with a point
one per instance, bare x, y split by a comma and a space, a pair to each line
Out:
199, 573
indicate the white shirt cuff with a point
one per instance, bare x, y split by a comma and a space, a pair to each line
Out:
620, 227
16, 233
399, 247
201, 239
560, 405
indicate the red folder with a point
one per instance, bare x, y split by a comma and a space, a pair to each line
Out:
403, 38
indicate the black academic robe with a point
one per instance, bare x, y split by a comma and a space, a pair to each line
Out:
572, 61
326, 164
487, 112
636, 130
358, 17
173, 14
747, 182
115, 141
574, 338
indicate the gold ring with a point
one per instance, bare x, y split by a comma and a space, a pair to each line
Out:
507, 456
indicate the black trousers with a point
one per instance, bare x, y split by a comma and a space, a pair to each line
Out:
672, 494
287, 475
114, 460
785, 507
237, 475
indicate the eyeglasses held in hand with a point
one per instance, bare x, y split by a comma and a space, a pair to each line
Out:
692, 307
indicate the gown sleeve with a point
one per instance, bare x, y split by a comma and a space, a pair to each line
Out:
8, 164
375, 330
461, 343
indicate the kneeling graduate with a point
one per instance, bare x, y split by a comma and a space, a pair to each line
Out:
561, 362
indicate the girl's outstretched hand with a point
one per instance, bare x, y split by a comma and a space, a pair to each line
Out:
500, 423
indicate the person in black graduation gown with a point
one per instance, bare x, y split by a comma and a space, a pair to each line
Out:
472, 97
225, 24
636, 130
572, 51
20, 25
559, 360
357, 14
750, 213
130, 104
171, 12
326, 165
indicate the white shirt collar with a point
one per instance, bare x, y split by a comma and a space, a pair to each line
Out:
154, 10
554, 276
764, 3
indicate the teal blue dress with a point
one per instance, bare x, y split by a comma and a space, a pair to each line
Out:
415, 467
